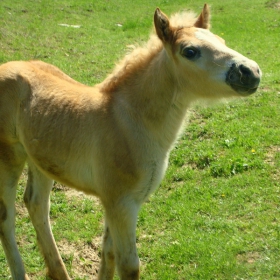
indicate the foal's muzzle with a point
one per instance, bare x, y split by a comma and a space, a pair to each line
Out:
243, 79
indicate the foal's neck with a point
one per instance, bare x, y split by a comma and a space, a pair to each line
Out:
151, 94
165, 105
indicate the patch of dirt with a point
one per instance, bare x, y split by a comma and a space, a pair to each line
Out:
274, 4
270, 158
84, 258
248, 257
270, 155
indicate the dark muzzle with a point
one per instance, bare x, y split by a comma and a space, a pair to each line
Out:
243, 79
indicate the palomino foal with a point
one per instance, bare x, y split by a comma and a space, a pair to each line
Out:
112, 140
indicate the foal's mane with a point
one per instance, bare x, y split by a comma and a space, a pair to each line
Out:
139, 58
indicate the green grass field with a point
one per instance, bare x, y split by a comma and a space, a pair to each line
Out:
216, 214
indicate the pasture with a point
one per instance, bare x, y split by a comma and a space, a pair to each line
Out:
216, 214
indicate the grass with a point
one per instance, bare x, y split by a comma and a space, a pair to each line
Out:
216, 214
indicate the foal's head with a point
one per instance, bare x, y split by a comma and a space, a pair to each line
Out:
203, 63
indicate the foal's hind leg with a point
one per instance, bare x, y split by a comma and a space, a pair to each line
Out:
36, 198
11, 165
7, 227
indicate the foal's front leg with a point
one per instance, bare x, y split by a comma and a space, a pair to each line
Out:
107, 267
121, 218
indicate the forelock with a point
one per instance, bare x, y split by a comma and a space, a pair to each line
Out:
183, 19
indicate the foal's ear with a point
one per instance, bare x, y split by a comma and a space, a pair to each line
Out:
162, 26
203, 21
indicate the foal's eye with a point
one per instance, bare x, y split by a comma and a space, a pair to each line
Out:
190, 52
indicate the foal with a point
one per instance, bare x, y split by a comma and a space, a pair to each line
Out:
112, 140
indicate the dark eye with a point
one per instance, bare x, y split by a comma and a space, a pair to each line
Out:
190, 52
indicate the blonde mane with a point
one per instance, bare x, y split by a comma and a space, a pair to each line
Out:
140, 57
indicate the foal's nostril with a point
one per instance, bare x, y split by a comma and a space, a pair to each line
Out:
245, 70
243, 79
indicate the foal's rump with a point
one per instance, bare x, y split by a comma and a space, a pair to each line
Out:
12, 88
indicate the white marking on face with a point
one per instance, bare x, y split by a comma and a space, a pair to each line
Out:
221, 54
212, 40
207, 36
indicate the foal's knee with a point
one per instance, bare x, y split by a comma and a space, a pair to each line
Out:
3, 215
3, 211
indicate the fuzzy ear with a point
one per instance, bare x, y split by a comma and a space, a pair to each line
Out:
203, 21
162, 26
